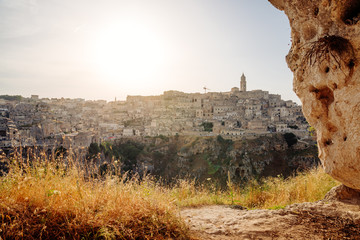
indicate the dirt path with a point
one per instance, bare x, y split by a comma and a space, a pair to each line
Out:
320, 220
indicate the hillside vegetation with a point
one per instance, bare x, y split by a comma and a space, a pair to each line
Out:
212, 157
49, 199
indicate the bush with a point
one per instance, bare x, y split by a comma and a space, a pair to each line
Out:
11, 98
94, 149
208, 126
126, 152
290, 139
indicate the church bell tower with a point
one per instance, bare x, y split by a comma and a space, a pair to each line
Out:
243, 83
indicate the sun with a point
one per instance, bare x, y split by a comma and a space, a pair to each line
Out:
128, 51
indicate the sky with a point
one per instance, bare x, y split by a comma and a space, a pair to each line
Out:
109, 49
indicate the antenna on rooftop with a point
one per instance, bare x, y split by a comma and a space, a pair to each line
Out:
205, 88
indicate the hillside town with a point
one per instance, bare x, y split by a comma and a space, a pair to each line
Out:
76, 123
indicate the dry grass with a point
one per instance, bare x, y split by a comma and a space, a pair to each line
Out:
277, 192
186, 193
49, 200
328, 48
270, 193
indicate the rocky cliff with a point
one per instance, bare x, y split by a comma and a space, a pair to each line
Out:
324, 58
215, 158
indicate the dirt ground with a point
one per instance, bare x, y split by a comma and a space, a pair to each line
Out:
325, 219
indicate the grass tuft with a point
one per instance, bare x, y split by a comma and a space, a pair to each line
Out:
277, 192
268, 193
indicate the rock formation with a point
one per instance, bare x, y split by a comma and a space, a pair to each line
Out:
324, 58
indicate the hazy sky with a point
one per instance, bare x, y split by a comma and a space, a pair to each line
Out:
113, 48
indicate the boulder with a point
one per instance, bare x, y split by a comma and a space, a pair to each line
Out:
343, 193
324, 58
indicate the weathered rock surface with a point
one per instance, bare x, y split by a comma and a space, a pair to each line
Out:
326, 219
343, 193
324, 58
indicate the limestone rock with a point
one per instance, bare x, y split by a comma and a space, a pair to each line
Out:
324, 58
341, 193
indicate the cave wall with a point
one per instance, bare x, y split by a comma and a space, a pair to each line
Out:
324, 59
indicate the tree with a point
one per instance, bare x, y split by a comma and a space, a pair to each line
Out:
94, 149
208, 126
290, 139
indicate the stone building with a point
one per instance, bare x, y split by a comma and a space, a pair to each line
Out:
243, 83
9, 136
238, 112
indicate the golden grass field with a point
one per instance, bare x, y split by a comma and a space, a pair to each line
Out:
50, 200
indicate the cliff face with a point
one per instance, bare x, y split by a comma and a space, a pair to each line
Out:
214, 157
324, 58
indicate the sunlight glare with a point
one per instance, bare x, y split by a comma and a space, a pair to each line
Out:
129, 51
